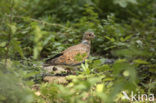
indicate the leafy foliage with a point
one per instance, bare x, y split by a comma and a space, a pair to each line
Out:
32, 30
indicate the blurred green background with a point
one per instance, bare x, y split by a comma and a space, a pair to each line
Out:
34, 30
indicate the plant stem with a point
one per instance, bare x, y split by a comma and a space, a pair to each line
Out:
9, 35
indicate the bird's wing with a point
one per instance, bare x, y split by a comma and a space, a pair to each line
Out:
48, 61
72, 55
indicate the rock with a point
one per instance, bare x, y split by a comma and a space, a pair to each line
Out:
56, 79
55, 69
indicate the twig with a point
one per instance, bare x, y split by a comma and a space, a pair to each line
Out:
43, 22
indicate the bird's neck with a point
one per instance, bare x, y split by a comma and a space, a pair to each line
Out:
86, 42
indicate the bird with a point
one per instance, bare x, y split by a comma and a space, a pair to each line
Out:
74, 55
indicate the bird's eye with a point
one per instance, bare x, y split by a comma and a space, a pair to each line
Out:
90, 34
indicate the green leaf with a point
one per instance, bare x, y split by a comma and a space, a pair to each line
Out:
140, 61
16, 46
38, 44
111, 39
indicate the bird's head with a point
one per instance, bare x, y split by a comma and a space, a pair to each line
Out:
88, 36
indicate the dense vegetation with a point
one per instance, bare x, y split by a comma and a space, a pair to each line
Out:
34, 30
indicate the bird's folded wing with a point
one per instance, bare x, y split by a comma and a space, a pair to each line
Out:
72, 56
